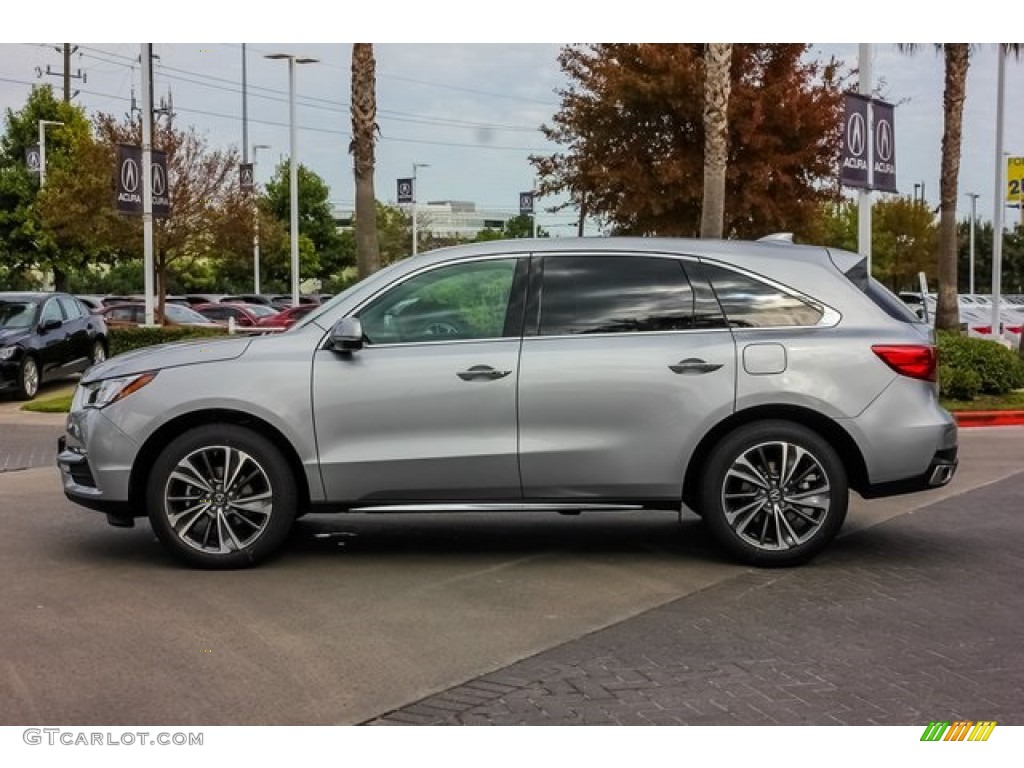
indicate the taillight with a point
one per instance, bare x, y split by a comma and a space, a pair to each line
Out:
918, 361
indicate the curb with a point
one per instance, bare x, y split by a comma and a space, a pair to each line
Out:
989, 418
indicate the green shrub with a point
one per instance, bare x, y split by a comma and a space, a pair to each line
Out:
963, 359
136, 337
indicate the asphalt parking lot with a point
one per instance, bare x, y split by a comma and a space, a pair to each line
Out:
913, 614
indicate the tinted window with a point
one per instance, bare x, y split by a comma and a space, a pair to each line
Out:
457, 302
884, 299
72, 309
614, 294
750, 303
51, 311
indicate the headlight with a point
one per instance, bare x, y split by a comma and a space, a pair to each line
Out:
6, 353
100, 394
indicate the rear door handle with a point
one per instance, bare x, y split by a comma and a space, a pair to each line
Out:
482, 373
694, 365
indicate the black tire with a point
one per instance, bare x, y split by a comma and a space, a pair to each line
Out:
786, 511
29, 378
97, 353
243, 514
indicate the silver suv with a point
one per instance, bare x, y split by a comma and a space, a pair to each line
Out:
755, 383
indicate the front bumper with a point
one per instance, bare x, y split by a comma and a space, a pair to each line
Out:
95, 459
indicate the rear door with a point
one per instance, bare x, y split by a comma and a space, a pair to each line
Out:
625, 365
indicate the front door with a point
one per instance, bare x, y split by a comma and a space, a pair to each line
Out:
426, 410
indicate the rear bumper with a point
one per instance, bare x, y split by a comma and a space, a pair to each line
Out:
940, 472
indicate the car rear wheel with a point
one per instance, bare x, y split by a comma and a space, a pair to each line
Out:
28, 378
774, 493
222, 496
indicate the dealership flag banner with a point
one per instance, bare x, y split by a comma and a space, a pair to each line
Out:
128, 180
856, 137
245, 177
32, 158
884, 154
405, 190
525, 203
1015, 181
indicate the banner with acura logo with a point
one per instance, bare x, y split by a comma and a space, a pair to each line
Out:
129, 181
869, 144
884, 164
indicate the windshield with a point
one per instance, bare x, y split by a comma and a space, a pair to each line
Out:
261, 310
17, 314
179, 314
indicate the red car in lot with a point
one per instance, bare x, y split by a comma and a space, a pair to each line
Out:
245, 315
286, 318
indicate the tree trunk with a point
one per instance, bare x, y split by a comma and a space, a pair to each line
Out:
364, 126
947, 313
717, 61
60, 280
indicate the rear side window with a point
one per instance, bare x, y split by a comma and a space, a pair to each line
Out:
72, 309
614, 294
750, 303
884, 299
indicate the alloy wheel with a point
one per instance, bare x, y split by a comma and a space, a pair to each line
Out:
776, 495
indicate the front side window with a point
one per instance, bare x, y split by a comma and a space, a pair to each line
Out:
614, 294
458, 302
51, 311
750, 303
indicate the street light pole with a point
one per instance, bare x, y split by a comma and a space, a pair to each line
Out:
293, 175
974, 215
415, 199
256, 217
42, 148
997, 217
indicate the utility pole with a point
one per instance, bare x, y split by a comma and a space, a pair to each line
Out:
147, 177
245, 117
864, 195
997, 216
65, 49
974, 215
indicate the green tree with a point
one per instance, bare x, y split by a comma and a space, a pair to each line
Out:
26, 240
1013, 258
316, 221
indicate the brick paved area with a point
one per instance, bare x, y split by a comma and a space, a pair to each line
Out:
920, 618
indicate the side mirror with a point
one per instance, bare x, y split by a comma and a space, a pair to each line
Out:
50, 325
347, 335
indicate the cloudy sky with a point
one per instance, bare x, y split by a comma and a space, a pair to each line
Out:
468, 110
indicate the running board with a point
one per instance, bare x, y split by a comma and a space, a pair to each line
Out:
502, 507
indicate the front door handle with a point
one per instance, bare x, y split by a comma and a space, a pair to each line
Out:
693, 365
482, 373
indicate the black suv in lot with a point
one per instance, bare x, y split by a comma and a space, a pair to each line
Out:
45, 336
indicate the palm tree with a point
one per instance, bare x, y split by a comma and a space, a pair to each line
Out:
364, 128
957, 59
717, 84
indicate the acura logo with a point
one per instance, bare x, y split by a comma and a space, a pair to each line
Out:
33, 160
856, 134
883, 140
405, 189
159, 180
129, 175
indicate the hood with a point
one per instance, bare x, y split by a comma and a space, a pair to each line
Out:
12, 335
168, 356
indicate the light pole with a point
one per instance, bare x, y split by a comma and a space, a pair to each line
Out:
415, 198
42, 148
256, 216
974, 215
293, 176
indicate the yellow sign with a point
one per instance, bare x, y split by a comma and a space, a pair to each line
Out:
1015, 180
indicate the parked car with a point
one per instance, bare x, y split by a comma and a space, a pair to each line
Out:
45, 336
249, 298
92, 303
245, 315
286, 318
285, 301
135, 314
755, 383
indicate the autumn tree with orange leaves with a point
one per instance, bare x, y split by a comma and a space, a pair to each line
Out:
631, 124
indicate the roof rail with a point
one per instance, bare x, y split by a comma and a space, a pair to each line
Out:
777, 237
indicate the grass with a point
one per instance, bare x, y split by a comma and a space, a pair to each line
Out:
1012, 401
55, 404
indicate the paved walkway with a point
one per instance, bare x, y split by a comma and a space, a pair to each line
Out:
920, 618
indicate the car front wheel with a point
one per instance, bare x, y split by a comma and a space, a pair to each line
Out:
28, 378
221, 496
774, 493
